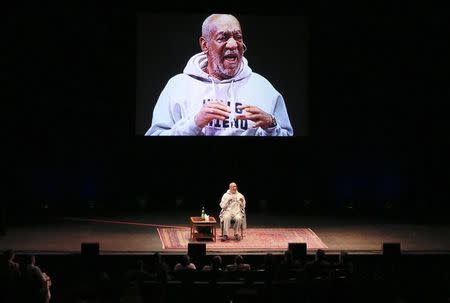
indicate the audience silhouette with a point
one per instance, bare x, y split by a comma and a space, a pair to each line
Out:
277, 279
9, 277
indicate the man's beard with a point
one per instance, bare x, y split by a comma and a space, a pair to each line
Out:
225, 73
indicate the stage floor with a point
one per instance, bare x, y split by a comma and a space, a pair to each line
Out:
136, 233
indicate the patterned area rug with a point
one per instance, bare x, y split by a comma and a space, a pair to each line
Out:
260, 239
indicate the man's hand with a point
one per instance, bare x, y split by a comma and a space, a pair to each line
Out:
228, 203
257, 115
210, 111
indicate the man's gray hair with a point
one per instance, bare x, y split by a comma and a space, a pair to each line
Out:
206, 26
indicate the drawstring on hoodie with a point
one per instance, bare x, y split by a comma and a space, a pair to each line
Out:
214, 87
232, 96
232, 117
233, 99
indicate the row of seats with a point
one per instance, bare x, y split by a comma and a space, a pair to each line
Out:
424, 275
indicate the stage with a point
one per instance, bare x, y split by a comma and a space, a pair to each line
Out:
137, 233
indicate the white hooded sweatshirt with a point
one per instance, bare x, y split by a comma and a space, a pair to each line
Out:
184, 95
231, 203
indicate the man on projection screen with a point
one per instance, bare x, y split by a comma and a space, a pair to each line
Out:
218, 94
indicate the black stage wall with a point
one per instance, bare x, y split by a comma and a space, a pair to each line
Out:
377, 137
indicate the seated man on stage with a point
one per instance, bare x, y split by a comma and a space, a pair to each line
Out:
233, 208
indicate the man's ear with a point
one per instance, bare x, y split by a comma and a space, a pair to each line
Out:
203, 44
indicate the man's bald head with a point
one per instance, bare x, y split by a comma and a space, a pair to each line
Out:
211, 22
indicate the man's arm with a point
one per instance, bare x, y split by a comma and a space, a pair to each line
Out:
168, 120
283, 124
242, 202
175, 116
275, 124
226, 199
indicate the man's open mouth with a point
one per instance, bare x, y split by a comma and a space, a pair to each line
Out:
231, 58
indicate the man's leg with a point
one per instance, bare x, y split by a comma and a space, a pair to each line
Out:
225, 225
238, 220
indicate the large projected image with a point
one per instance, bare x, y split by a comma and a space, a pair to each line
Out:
196, 76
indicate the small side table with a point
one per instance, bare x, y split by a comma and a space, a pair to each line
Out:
202, 229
